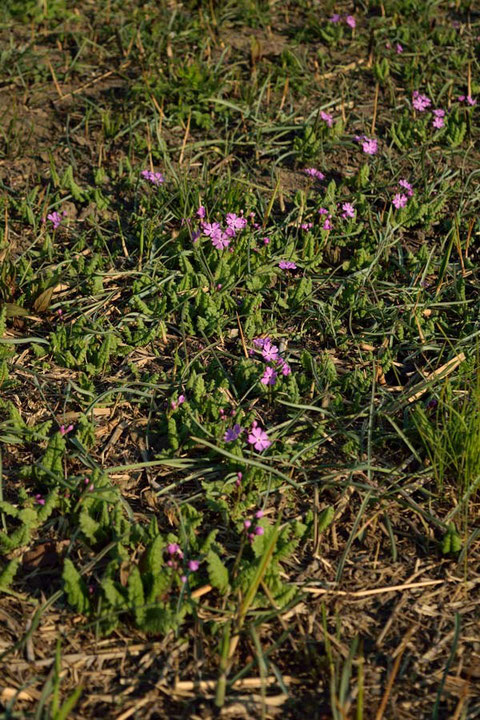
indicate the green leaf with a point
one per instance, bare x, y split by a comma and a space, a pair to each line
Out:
75, 588
8, 573
217, 572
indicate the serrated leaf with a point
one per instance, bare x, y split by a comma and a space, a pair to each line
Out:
217, 572
75, 588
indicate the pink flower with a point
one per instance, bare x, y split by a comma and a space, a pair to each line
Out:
55, 218
235, 222
220, 241
406, 185
211, 229
176, 403
259, 514
155, 178
201, 212
313, 172
335, 18
269, 352
269, 376
438, 122
261, 342
351, 22
287, 265
398, 49
247, 524
369, 146
326, 117
259, 530
174, 549
64, 430
284, 367
193, 565
266, 240
467, 98
306, 226
400, 200
258, 438
348, 210
327, 225
420, 102
233, 433
40, 500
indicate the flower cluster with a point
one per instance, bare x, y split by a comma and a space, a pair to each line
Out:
401, 198
398, 47
420, 102
327, 118
252, 531
256, 437
175, 560
313, 172
271, 354
467, 99
156, 178
220, 237
347, 19
327, 222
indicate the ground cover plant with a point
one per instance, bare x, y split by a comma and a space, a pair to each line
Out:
239, 360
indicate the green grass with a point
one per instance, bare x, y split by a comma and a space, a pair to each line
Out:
129, 343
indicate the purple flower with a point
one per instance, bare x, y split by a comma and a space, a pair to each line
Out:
406, 185
398, 49
201, 212
40, 500
235, 222
211, 229
313, 172
174, 549
233, 433
467, 98
306, 226
269, 376
284, 367
326, 117
369, 145
335, 18
247, 524
65, 430
193, 565
220, 241
270, 352
351, 22
400, 200
261, 342
439, 119
259, 530
259, 514
56, 219
176, 403
287, 265
156, 178
348, 210
327, 225
420, 102
258, 438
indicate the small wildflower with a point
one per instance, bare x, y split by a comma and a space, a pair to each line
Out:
438, 122
348, 210
221, 241
287, 265
211, 229
259, 514
398, 49
420, 102
176, 403
258, 438
201, 212
233, 433
270, 352
156, 178
261, 342
247, 524
65, 430
468, 99
313, 172
266, 240
327, 225
269, 376
306, 226
327, 118
335, 18
259, 530
400, 200
407, 186
40, 500
238, 481
55, 218
351, 22
235, 222
284, 367
369, 145
193, 565
173, 549
183, 578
